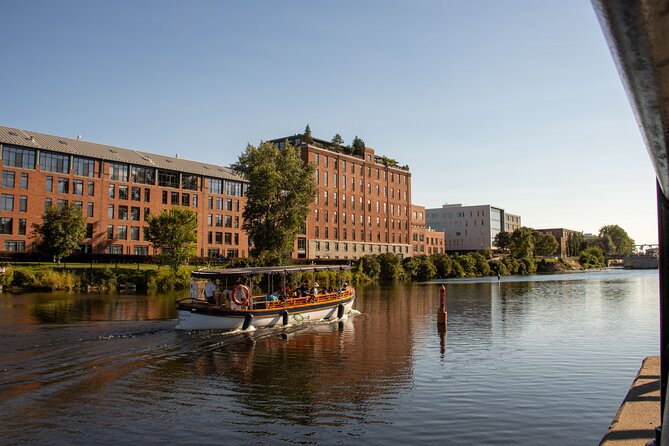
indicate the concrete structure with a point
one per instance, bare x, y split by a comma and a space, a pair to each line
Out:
425, 240
468, 228
362, 205
562, 236
117, 188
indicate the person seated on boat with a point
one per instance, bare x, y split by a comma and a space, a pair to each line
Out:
210, 292
343, 286
314, 290
273, 297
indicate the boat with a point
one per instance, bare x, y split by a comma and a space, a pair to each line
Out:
241, 298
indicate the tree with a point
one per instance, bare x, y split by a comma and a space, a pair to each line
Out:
544, 244
521, 243
358, 146
174, 233
502, 240
61, 231
337, 140
592, 257
281, 188
574, 244
307, 134
622, 243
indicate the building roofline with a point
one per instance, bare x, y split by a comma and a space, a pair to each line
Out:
41, 141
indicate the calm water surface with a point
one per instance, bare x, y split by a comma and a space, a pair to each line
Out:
541, 360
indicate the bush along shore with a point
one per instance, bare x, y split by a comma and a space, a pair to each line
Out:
370, 268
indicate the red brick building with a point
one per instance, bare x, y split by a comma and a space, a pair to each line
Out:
362, 205
425, 240
116, 188
562, 236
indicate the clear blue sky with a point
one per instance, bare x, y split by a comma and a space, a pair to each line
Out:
513, 103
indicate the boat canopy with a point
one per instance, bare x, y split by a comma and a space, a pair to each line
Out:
226, 272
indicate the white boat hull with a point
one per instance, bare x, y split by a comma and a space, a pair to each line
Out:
190, 319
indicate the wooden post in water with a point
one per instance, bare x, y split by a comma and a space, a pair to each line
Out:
442, 313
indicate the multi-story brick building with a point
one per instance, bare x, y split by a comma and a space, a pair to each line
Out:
116, 188
362, 203
511, 222
562, 236
469, 228
425, 240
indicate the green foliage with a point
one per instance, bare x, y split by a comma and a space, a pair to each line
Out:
521, 243
544, 244
592, 257
101, 278
167, 280
370, 266
443, 264
358, 147
621, 243
61, 231
307, 134
419, 268
574, 244
391, 267
23, 278
502, 240
7, 277
337, 140
174, 234
281, 188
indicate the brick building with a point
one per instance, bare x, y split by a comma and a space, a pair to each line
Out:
425, 240
362, 203
562, 236
116, 188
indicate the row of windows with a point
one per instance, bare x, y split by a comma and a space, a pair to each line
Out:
344, 182
123, 212
369, 234
355, 247
318, 157
230, 205
133, 193
122, 232
9, 177
24, 158
379, 204
63, 186
335, 219
216, 252
7, 203
222, 221
220, 238
139, 250
7, 226
173, 198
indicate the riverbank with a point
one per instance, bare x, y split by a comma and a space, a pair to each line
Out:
639, 414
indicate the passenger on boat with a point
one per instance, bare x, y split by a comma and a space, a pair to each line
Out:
210, 292
273, 297
314, 290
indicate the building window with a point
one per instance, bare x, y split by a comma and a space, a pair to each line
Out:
123, 192
6, 225
63, 186
174, 198
7, 179
7, 202
22, 226
168, 178
136, 193
123, 212
89, 230
228, 221
134, 233
147, 195
54, 162
188, 181
15, 246
215, 186
23, 203
110, 211
110, 232
89, 209
143, 175
23, 182
185, 200
77, 187
118, 172
83, 167
112, 191
122, 232
47, 203
18, 157
219, 221
228, 204
219, 204
91, 188
228, 238
49, 184
115, 249
147, 211
141, 250
134, 213
219, 238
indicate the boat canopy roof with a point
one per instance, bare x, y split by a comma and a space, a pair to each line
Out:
224, 272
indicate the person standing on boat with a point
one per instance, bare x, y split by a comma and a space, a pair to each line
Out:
210, 292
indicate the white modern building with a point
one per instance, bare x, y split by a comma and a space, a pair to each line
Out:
470, 228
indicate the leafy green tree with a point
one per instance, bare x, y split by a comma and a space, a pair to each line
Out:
592, 257
61, 231
419, 268
622, 243
443, 264
174, 234
370, 266
358, 146
502, 240
544, 244
307, 134
391, 266
281, 188
521, 243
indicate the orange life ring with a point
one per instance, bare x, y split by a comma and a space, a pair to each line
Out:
247, 295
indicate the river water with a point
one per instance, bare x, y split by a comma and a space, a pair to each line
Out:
538, 360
